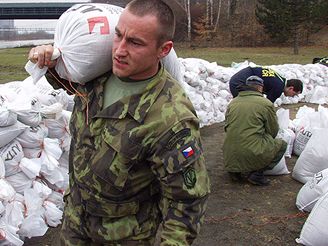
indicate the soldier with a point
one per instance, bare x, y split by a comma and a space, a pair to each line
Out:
274, 84
251, 125
136, 158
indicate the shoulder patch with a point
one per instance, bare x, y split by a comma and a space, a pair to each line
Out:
189, 177
176, 137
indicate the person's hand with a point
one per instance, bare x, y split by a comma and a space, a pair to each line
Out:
42, 56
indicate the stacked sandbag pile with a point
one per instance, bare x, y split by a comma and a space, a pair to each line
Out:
33, 158
207, 85
311, 168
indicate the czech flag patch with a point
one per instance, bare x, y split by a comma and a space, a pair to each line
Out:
188, 152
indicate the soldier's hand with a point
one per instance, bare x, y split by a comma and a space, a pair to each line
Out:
42, 56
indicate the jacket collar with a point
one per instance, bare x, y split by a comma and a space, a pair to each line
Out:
250, 93
137, 105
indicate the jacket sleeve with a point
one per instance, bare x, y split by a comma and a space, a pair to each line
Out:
179, 165
271, 125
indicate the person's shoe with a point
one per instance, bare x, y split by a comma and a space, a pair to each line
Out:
236, 177
258, 178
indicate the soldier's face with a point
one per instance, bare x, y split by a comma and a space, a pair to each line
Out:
135, 51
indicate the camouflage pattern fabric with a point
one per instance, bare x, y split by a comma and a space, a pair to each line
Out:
133, 165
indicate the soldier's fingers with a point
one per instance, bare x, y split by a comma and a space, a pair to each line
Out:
40, 56
33, 55
47, 54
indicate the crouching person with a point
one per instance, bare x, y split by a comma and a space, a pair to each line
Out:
251, 126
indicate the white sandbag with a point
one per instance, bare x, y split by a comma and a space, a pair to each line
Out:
41, 189
32, 116
56, 176
319, 95
12, 155
35, 152
51, 111
314, 231
52, 214
14, 214
283, 118
279, 169
19, 182
33, 226
33, 137
9, 234
50, 96
312, 190
288, 136
173, 66
57, 198
33, 202
58, 127
50, 156
84, 35
7, 192
301, 139
314, 157
9, 133
7, 117
31, 167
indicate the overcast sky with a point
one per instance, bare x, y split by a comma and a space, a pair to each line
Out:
38, 23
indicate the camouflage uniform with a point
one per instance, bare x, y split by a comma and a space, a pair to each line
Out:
133, 165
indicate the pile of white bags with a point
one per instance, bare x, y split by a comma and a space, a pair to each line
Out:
207, 85
33, 158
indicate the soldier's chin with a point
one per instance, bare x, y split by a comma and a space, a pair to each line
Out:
118, 72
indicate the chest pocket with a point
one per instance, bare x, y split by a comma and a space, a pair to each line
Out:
117, 155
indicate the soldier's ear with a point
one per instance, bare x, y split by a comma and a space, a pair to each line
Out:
165, 49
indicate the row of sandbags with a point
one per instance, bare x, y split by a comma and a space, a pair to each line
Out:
33, 158
313, 198
306, 135
207, 85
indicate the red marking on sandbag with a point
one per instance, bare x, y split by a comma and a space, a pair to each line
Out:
104, 29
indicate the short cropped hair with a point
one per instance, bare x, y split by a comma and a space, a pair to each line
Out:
161, 11
296, 83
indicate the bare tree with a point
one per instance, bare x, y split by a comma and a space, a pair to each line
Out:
189, 19
217, 22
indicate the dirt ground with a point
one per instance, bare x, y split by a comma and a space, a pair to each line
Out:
240, 213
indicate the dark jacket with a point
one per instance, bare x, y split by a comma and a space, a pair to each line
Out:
274, 84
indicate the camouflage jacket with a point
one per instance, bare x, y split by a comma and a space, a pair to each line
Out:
143, 149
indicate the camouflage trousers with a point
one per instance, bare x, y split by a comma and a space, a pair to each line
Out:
81, 228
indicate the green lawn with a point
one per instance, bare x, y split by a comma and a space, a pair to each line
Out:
260, 56
12, 61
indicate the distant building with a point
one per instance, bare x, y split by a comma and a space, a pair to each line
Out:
6, 23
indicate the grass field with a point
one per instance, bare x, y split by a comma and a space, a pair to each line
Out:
12, 61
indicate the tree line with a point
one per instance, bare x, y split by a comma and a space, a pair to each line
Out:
246, 22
